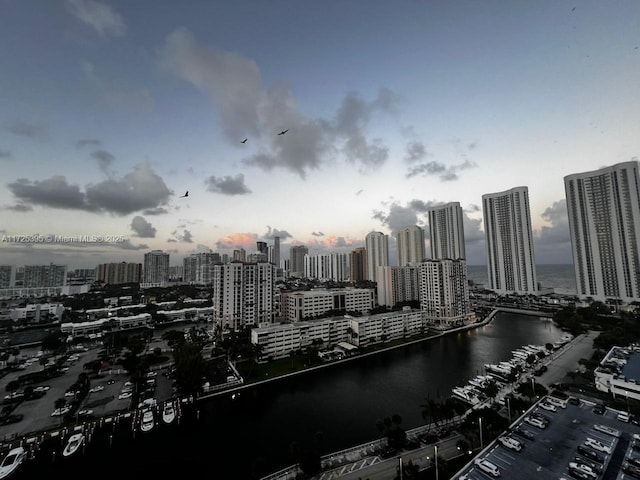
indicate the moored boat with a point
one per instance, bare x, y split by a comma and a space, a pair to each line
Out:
168, 412
73, 444
12, 461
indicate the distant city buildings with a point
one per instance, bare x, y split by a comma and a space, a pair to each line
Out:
239, 255
38, 276
197, 267
296, 260
7, 276
377, 248
444, 291
398, 284
117, 273
410, 244
358, 265
156, 267
446, 231
511, 265
332, 266
303, 305
604, 222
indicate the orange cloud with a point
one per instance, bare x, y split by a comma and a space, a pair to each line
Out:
235, 240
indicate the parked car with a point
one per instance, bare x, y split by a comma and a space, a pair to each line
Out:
97, 388
598, 409
9, 419
574, 401
124, 395
58, 412
85, 412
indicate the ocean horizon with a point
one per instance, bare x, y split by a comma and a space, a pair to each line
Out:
559, 277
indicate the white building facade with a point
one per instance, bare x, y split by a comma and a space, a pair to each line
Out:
444, 292
410, 244
303, 305
446, 231
377, 250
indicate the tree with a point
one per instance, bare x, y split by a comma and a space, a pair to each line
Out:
190, 367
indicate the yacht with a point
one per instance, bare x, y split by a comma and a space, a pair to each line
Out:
73, 444
168, 413
12, 461
466, 394
490, 367
147, 422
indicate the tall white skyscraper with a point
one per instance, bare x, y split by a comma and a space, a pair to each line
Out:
410, 242
328, 266
444, 291
604, 221
377, 246
397, 284
446, 231
156, 267
507, 225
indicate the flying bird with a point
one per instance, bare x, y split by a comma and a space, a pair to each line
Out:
573, 9
283, 132
186, 194
244, 141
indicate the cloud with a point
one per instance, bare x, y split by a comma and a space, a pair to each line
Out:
102, 18
88, 142
472, 208
447, 173
238, 240
331, 243
416, 151
558, 231
395, 216
138, 190
105, 160
5, 154
184, 237
227, 185
29, 130
248, 108
359, 192
127, 245
155, 211
142, 228
317, 234
19, 207
272, 233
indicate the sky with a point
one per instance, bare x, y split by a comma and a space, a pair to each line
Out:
111, 110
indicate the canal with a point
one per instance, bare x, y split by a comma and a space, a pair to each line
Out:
252, 434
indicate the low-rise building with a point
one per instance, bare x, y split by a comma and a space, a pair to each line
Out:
619, 372
304, 305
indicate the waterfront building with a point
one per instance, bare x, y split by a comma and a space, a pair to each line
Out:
277, 341
117, 273
444, 291
410, 244
446, 231
604, 221
358, 265
36, 312
190, 314
243, 294
7, 276
377, 248
296, 260
511, 265
39, 276
301, 305
398, 284
156, 267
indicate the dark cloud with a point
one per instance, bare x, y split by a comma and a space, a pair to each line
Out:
359, 192
553, 242
317, 234
271, 233
30, 130
248, 108
53, 192
139, 190
446, 173
472, 208
19, 207
155, 211
416, 151
98, 16
185, 236
397, 217
127, 245
88, 142
227, 185
105, 160
142, 228
5, 154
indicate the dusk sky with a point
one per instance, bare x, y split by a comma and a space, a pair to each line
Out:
111, 110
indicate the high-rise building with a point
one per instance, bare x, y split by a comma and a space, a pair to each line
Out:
377, 247
239, 255
331, 266
444, 291
197, 267
507, 225
398, 284
410, 243
261, 247
604, 222
243, 294
7, 276
156, 267
358, 265
44, 276
296, 256
446, 231
276, 252
117, 273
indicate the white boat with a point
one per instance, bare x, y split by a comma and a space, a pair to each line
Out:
73, 444
147, 422
12, 461
466, 394
169, 412
497, 368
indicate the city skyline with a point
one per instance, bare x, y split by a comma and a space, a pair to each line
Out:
392, 110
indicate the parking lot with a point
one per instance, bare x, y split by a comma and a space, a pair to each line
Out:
550, 450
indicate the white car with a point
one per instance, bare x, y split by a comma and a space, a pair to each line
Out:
152, 374
548, 407
58, 412
70, 394
596, 445
511, 443
487, 467
608, 430
536, 422
584, 469
97, 388
42, 388
85, 412
124, 395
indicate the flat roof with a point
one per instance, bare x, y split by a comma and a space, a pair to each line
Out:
632, 368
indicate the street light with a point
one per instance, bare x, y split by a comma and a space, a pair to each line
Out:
509, 408
481, 444
435, 454
533, 387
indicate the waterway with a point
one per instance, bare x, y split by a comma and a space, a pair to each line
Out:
251, 435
